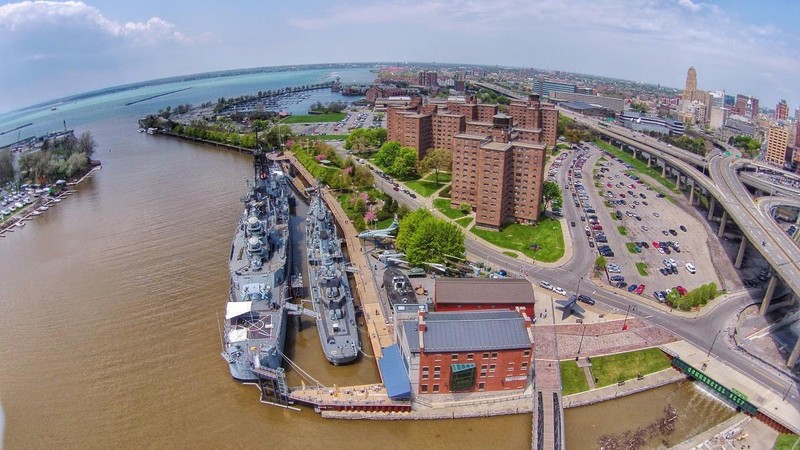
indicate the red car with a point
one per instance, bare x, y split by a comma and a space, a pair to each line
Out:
655, 244
640, 289
681, 290
608, 185
597, 227
622, 195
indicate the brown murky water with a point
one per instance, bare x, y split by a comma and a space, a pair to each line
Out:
697, 411
109, 331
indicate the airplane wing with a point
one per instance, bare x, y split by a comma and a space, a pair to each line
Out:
576, 308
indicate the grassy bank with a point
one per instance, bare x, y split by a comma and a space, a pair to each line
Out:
640, 166
443, 205
573, 379
546, 235
315, 118
627, 366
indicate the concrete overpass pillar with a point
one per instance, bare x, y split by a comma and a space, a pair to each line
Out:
795, 354
634, 152
722, 223
711, 204
650, 163
768, 295
740, 255
664, 170
691, 194
678, 181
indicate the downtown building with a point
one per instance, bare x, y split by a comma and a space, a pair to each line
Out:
777, 146
498, 159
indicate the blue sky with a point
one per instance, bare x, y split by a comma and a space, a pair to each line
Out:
51, 49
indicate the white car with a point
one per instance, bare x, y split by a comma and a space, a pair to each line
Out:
559, 291
546, 285
691, 268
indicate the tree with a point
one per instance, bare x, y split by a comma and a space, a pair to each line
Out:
600, 263
387, 154
551, 194
86, 144
437, 159
405, 164
425, 238
278, 135
6, 166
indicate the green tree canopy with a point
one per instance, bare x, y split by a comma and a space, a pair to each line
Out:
405, 164
425, 238
436, 160
387, 154
551, 194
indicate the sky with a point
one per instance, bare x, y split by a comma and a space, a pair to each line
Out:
52, 49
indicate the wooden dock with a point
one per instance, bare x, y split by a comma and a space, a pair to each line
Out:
366, 398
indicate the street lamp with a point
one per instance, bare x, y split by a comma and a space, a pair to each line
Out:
581, 343
578, 289
712, 344
625, 322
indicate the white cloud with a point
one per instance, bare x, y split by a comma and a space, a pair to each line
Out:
32, 15
689, 4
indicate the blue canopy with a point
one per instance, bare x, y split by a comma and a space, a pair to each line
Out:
394, 373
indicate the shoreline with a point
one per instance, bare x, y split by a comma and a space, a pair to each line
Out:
28, 212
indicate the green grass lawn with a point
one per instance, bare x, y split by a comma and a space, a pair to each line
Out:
315, 118
444, 177
423, 188
622, 230
631, 247
786, 442
626, 366
573, 379
547, 234
443, 205
511, 254
642, 268
637, 164
464, 221
383, 223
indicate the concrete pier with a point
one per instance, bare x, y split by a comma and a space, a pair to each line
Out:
711, 205
691, 195
722, 223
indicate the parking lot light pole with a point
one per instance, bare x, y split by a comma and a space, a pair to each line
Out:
625, 322
581, 343
708, 355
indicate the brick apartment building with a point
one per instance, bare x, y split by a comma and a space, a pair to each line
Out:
472, 351
498, 159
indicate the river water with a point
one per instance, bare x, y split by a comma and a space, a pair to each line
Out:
109, 334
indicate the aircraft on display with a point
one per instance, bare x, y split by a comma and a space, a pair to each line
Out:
570, 306
392, 257
385, 233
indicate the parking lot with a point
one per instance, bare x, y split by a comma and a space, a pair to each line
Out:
670, 243
362, 117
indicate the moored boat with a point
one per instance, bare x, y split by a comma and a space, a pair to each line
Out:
330, 289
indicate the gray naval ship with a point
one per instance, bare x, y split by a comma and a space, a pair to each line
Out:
330, 290
255, 315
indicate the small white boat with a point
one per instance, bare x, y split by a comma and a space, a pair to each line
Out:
57, 200
43, 208
37, 213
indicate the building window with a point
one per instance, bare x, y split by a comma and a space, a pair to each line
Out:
462, 377
492, 367
481, 386
494, 355
485, 356
470, 356
454, 357
435, 388
526, 353
424, 387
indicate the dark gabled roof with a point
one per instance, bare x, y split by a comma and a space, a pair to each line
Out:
469, 331
483, 290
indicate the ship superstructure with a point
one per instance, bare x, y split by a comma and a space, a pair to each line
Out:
330, 290
255, 315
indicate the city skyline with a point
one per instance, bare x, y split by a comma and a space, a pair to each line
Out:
65, 48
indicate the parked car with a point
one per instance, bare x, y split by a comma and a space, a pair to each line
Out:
546, 285
691, 268
659, 296
621, 284
617, 278
559, 290
683, 228
681, 290
586, 299
640, 289
632, 287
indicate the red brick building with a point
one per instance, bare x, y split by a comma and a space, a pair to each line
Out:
478, 294
498, 159
467, 351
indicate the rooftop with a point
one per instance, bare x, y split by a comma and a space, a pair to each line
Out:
469, 331
483, 290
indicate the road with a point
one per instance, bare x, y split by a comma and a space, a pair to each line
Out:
701, 330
